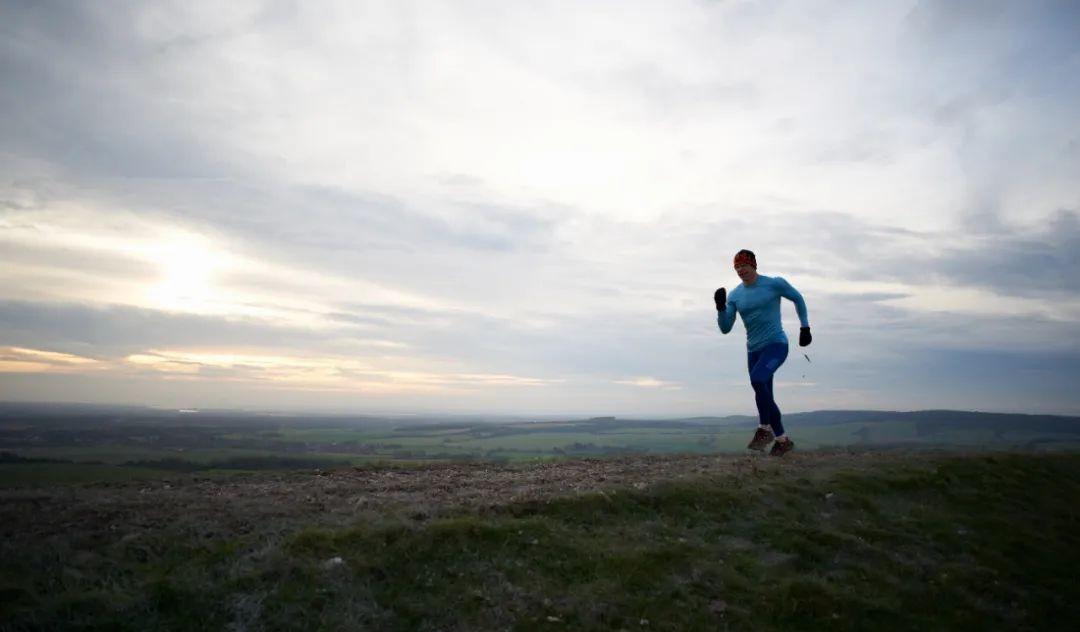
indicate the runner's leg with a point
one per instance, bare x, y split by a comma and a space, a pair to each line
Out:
764, 414
767, 361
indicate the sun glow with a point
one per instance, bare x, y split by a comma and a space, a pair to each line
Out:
187, 266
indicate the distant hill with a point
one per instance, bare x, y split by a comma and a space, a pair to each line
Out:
927, 420
931, 420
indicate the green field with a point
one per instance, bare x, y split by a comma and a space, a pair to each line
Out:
39, 474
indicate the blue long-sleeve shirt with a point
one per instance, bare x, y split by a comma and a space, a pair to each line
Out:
759, 306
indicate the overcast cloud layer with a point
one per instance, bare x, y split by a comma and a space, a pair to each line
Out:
526, 206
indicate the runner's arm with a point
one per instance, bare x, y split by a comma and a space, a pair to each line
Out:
726, 317
791, 294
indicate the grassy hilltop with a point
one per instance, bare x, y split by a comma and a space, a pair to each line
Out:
833, 539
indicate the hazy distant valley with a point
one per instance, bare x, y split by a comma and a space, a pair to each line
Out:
56, 443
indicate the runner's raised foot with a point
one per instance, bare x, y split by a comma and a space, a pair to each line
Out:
761, 439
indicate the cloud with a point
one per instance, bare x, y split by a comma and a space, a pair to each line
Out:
114, 331
318, 373
1009, 260
449, 193
1032, 262
23, 360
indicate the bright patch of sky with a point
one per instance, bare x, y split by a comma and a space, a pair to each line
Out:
526, 206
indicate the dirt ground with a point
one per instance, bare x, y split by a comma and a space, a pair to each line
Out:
97, 514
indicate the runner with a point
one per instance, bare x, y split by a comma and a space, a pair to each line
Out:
757, 300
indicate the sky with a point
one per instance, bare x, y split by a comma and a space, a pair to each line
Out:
525, 207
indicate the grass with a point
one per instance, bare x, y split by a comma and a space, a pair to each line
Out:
926, 542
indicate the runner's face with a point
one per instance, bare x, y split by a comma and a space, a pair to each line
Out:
746, 272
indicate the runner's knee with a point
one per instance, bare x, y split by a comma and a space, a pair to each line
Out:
760, 377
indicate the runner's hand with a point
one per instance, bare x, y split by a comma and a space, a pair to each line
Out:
721, 299
804, 336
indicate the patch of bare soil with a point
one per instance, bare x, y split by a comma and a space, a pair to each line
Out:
266, 504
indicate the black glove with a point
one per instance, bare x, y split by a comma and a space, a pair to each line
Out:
804, 336
721, 299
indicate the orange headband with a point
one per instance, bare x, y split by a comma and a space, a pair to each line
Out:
747, 258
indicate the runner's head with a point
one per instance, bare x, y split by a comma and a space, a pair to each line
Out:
746, 266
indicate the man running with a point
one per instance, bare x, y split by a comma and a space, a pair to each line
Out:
757, 300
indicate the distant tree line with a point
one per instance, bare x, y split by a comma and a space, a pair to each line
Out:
11, 457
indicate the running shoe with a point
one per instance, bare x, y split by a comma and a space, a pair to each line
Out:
761, 439
780, 448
